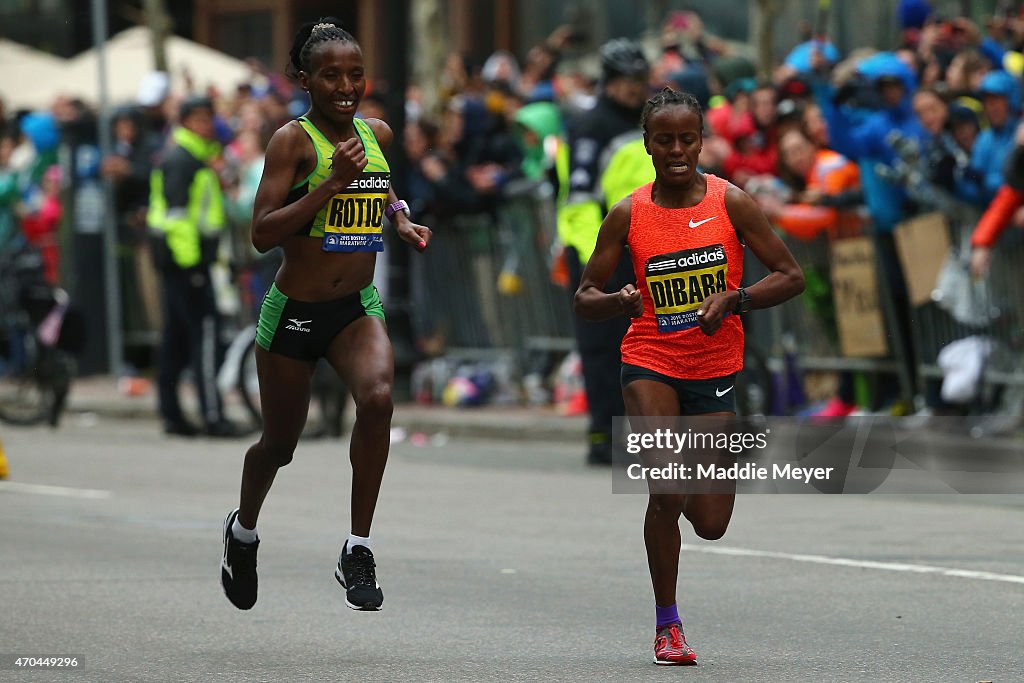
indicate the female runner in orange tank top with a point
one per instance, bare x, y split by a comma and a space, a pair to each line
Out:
686, 232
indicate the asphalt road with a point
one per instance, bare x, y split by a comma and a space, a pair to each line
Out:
499, 561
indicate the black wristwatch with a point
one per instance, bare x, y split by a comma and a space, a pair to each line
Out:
743, 305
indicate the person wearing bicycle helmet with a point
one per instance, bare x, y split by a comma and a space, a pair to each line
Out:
686, 233
325, 191
596, 181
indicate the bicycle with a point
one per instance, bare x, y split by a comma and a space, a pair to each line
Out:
238, 373
39, 333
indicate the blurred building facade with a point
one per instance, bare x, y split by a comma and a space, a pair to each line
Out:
476, 28
264, 28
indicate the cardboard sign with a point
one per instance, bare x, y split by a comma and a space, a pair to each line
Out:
855, 291
922, 244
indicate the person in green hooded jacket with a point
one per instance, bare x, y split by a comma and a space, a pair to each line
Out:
541, 136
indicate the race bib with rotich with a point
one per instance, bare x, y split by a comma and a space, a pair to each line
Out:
680, 281
353, 220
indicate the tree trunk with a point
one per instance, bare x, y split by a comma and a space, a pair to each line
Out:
768, 12
159, 26
431, 42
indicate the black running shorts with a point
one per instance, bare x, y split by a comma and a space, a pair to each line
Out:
696, 396
303, 329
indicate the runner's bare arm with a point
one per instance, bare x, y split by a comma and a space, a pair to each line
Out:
591, 302
272, 221
785, 280
414, 234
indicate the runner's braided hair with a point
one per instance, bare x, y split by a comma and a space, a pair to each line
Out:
309, 37
667, 98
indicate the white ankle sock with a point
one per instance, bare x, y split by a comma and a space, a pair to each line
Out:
354, 540
242, 534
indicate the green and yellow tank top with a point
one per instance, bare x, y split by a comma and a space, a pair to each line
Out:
351, 220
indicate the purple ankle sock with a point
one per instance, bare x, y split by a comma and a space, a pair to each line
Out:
666, 615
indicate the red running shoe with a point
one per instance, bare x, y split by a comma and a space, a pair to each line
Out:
670, 648
836, 407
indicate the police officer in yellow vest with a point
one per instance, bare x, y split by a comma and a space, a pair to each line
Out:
186, 217
607, 161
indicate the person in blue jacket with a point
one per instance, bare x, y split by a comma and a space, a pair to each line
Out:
866, 136
1000, 99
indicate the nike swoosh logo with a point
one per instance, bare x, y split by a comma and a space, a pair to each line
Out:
700, 223
720, 394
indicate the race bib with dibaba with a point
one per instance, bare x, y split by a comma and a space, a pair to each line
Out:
354, 217
679, 282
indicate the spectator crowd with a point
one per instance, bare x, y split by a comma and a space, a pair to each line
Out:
827, 144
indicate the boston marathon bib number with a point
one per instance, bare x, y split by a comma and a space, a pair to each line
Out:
353, 220
680, 281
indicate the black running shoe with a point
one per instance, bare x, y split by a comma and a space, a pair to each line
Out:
225, 430
181, 428
238, 567
356, 574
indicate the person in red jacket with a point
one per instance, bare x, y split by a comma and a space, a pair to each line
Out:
40, 225
755, 146
1002, 211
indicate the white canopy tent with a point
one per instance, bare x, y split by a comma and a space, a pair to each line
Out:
129, 58
24, 73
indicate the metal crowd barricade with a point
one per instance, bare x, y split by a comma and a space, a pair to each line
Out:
808, 323
1006, 282
487, 281
537, 311
993, 308
454, 280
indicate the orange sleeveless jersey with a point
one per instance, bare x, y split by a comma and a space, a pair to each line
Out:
680, 256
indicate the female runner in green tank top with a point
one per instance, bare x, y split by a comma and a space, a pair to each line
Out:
323, 196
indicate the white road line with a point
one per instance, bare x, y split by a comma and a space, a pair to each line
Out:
47, 490
861, 564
